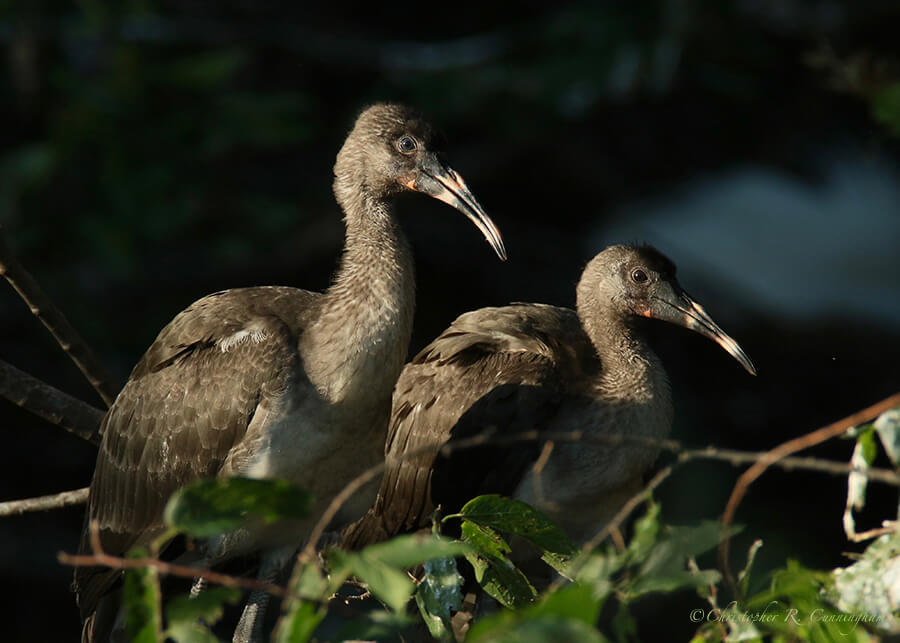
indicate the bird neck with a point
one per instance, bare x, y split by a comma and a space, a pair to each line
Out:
631, 371
358, 343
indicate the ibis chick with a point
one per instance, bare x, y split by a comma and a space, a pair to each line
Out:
275, 381
531, 367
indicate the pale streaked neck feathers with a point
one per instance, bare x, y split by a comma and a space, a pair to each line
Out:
365, 321
631, 371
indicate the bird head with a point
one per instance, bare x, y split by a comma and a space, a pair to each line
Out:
631, 281
390, 151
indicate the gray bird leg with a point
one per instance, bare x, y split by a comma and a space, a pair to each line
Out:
250, 628
198, 586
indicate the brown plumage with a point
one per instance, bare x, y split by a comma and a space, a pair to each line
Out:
275, 381
533, 366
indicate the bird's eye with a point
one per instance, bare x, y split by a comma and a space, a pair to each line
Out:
638, 276
406, 144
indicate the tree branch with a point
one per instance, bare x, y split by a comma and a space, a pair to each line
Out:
732, 456
102, 559
779, 454
617, 520
683, 454
44, 503
50, 403
67, 337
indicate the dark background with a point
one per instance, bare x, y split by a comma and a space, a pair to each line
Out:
160, 151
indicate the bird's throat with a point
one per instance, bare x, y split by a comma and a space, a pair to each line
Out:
360, 339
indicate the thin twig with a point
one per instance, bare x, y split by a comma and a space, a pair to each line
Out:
732, 456
50, 403
780, 453
99, 558
628, 507
538, 471
309, 551
889, 527
616, 521
44, 503
44, 309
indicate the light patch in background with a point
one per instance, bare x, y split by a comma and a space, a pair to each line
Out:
801, 250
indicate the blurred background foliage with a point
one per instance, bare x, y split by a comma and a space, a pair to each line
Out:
155, 151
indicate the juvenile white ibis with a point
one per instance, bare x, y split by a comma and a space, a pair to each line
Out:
532, 366
275, 381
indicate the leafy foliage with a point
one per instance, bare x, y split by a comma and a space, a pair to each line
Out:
143, 623
493, 569
592, 600
299, 622
382, 566
503, 514
189, 618
209, 507
438, 595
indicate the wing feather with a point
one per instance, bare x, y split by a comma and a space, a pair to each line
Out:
186, 405
502, 368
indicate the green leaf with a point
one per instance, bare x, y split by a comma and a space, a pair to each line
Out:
142, 600
672, 580
623, 624
800, 599
516, 517
572, 611
536, 630
597, 570
210, 507
299, 621
795, 581
677, 544
208, 605
438, 595
888, 427
573, 602
484, 540
391, 585
493, 570
312, 585
665, 563
646, 529
190, 632
376, 626
407, 551
868, 447
863, 455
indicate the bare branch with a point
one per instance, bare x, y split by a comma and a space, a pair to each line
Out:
780, 453
888, 527
628, 507
102, 559
50, 403
614, 524
734, 457
44, 503
538, 470
684, 455
67, 337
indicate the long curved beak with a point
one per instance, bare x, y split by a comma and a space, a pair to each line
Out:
436, 179
677, 307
